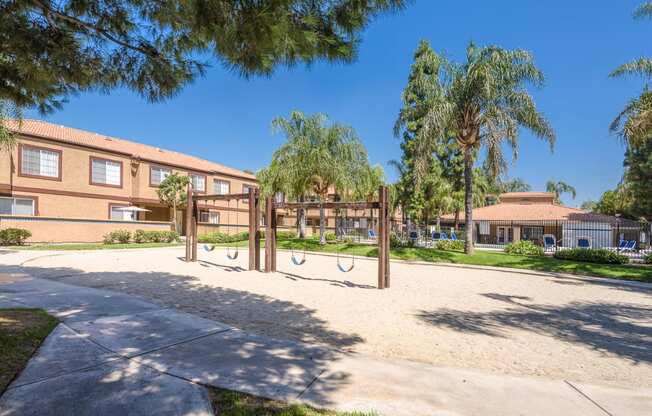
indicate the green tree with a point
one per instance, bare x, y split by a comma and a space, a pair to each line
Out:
317, 157
515, 185
614, 202
559, 188
172, 193
51, 50
638, 177
589, 205
482, 103
634, 123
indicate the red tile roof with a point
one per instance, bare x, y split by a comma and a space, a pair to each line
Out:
42, 129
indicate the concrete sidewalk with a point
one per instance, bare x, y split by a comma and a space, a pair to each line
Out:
117, 354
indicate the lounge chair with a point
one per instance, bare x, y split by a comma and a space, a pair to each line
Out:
623, 244
630, 246
583, 242
453, 236
436, 235
371, 234
549, 242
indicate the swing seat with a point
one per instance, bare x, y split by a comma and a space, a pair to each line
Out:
209, 247
296, 261
232, 256
344, 269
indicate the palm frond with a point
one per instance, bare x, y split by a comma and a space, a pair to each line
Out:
641, 67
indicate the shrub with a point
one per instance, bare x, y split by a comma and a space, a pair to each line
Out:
217, 237
592, 255
14, 236
524, 248
648, 258
395, 241
140, 236
286, 235
117, 236
330, 236
450, 245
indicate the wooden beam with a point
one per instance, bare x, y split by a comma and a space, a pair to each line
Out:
326, 205
254, 237
381, 238
387, 229
195, 220
268, 234
188, 223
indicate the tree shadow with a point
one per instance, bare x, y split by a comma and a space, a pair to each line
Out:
621, 329
333, 282
286, 366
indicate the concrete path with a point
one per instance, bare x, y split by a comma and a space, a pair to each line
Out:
117, 354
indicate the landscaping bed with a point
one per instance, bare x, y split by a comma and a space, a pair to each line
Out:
21, 333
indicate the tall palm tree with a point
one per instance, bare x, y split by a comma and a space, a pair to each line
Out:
317, 157
558, 188
634, 123
482, 103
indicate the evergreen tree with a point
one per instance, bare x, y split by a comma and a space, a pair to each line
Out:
638, 176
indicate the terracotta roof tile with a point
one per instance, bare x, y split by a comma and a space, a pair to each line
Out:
70, 135
521, 212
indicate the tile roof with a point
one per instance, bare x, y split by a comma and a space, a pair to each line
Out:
534, 212
70, 135
527, 194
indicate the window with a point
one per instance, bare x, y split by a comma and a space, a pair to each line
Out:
279, 197
17, 206
533, 233
157, 174
221, 187
211, 217
106, 172
198, 182
45, 163
119, 215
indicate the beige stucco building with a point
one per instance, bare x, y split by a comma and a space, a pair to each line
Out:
65, 184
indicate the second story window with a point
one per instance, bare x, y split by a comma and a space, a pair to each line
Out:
157, 174
245, 190
44, 163
106, 172
221, 187
198, 182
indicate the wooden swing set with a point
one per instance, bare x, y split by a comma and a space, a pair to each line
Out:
271, 207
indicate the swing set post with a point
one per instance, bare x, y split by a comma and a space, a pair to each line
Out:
189, 227
270, 235
254, 227
383, 238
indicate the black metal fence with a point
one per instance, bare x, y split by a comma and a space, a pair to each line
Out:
631, 238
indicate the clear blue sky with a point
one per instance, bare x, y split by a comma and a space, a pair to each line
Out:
576, 43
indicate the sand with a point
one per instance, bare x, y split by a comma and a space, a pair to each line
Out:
587, 330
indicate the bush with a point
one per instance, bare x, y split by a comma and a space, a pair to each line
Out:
14, 236
117, 236
140, 236
286, 235
217, 237
330, 236
592, 255
450, 245
395, 241
524, 248
648, 258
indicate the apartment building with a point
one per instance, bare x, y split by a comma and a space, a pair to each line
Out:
66, 184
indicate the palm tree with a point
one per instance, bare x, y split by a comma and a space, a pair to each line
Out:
558, 188
634, 123
317, 157
482, 103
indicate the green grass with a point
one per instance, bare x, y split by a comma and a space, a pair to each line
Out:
94, 246
21, 332
479, 258
231, 403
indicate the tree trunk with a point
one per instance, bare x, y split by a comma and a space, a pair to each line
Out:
457, 219
468, 200
322, 225
174, 217
301, 220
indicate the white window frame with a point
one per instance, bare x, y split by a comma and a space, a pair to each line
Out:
106, 164
193, 178
130, 215
209, 217
165, 172
218, 185
13, 205
43, 155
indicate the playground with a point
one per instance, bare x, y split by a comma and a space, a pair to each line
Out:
496, 321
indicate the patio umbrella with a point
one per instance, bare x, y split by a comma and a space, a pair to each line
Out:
133, 209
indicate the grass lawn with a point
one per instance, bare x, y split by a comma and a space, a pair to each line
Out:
94, 246
480, 258
231, 403
21, 333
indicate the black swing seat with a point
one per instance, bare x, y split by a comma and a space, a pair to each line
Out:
208, 247
296, 261
232, 256
344, 269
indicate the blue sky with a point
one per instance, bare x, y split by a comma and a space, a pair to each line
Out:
576, 44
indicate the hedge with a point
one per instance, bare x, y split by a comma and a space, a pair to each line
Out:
217, 237
450, 245
592, 255
140, 236
524, 248
14, 236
